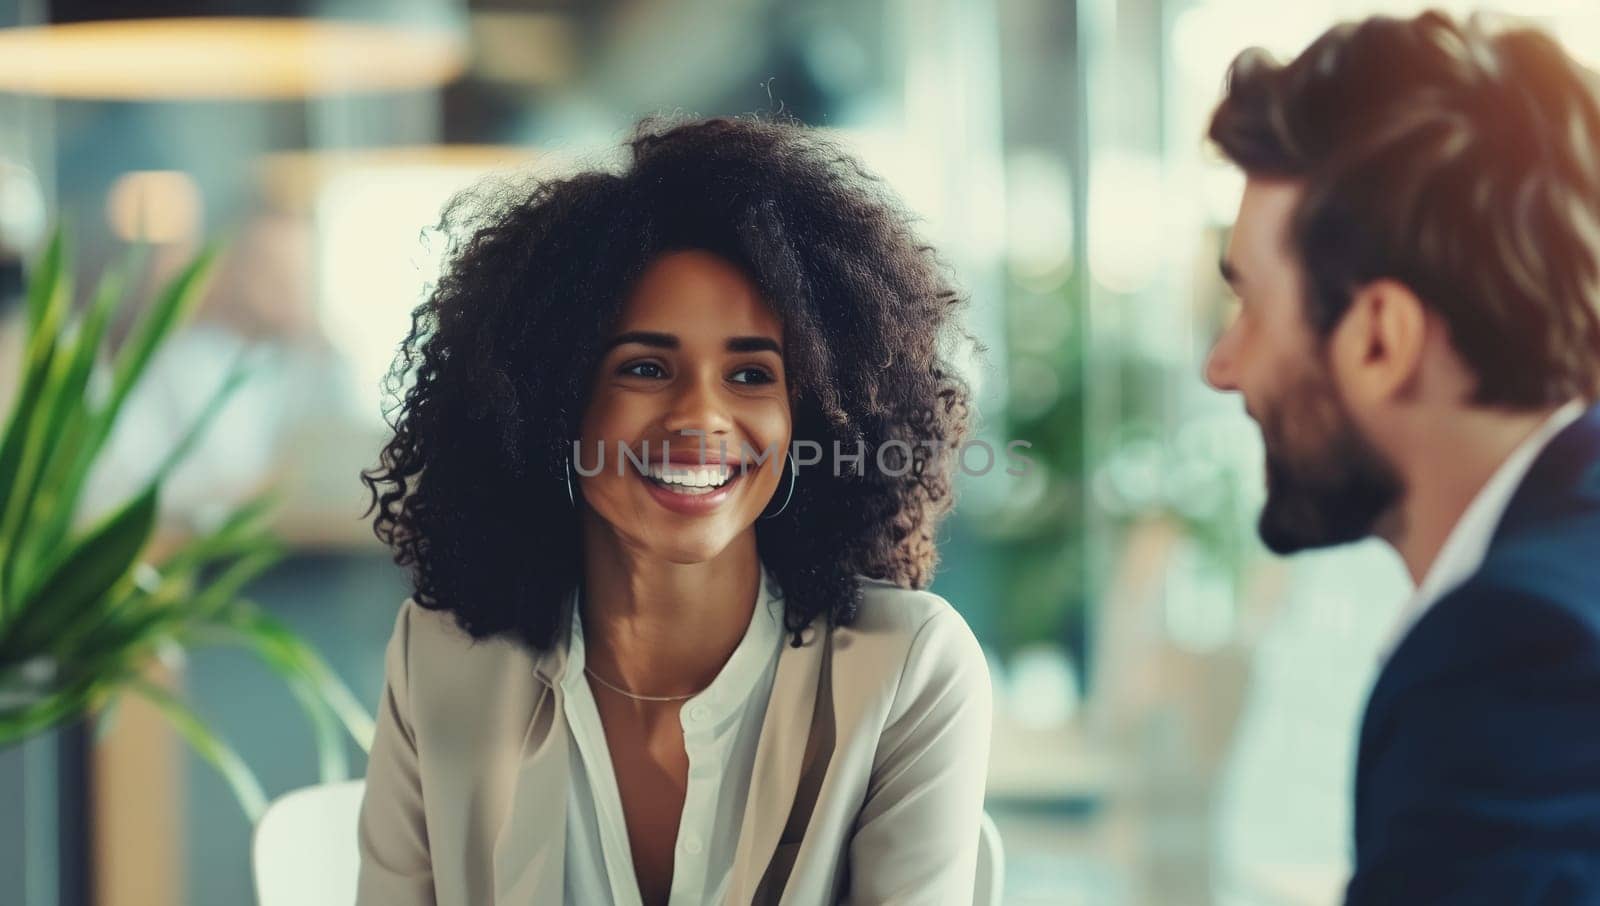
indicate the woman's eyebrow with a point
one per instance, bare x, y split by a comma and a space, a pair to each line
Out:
754, 344
643, 338
668, 341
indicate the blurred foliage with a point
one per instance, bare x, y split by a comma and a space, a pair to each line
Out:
81, 612
1128, 469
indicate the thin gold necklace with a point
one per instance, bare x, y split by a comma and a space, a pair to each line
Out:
621, 691
643, 698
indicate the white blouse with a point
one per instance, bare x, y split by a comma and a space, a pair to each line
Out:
721, 726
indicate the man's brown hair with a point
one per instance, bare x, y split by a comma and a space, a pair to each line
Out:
1461, 161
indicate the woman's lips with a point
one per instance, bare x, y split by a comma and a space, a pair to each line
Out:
690, 504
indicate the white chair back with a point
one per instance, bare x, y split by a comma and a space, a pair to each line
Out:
304, 852
991, 865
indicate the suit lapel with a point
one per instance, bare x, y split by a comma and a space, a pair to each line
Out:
779, 758
530, 848
1565, 476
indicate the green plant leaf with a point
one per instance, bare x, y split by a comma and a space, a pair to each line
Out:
118, 636
237, 374
141, 612
81, 577
16, 467
69, 422
222, 591
18, 723
208, 745
46, 281
358, 722
63, 514
21, 447
239, 533
82, 605
170, 308
333, 762
258, 558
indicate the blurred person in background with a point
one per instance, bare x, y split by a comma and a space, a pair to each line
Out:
708, 677
1417, 263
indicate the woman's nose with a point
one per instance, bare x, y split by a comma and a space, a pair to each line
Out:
698, 405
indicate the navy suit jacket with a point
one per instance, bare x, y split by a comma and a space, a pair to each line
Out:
1478, 773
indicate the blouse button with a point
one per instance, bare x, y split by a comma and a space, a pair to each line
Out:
697, 713
691, 845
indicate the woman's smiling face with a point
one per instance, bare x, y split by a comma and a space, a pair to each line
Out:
695, 357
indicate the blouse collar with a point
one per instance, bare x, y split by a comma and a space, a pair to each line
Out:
733, 683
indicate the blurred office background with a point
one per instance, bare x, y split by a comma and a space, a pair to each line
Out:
1175, 710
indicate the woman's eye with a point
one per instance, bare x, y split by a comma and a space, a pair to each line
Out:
634, 369
760, 376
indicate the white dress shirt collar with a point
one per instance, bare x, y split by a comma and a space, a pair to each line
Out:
1468, 542
733, 683
722, 727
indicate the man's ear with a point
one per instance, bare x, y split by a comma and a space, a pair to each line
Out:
1377, 349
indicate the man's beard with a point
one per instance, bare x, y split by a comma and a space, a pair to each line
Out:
1326, 484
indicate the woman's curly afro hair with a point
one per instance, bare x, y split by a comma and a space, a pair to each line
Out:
470, 492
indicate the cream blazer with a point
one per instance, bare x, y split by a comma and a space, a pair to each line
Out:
867, 786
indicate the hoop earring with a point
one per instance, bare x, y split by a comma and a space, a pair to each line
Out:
794, 474
569, 482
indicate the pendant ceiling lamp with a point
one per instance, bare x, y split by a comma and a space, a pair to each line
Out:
188, 57
295, 180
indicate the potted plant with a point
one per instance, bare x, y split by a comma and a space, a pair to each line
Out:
82, 610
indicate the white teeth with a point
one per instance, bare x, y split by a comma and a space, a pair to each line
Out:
691, 477
688, 491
